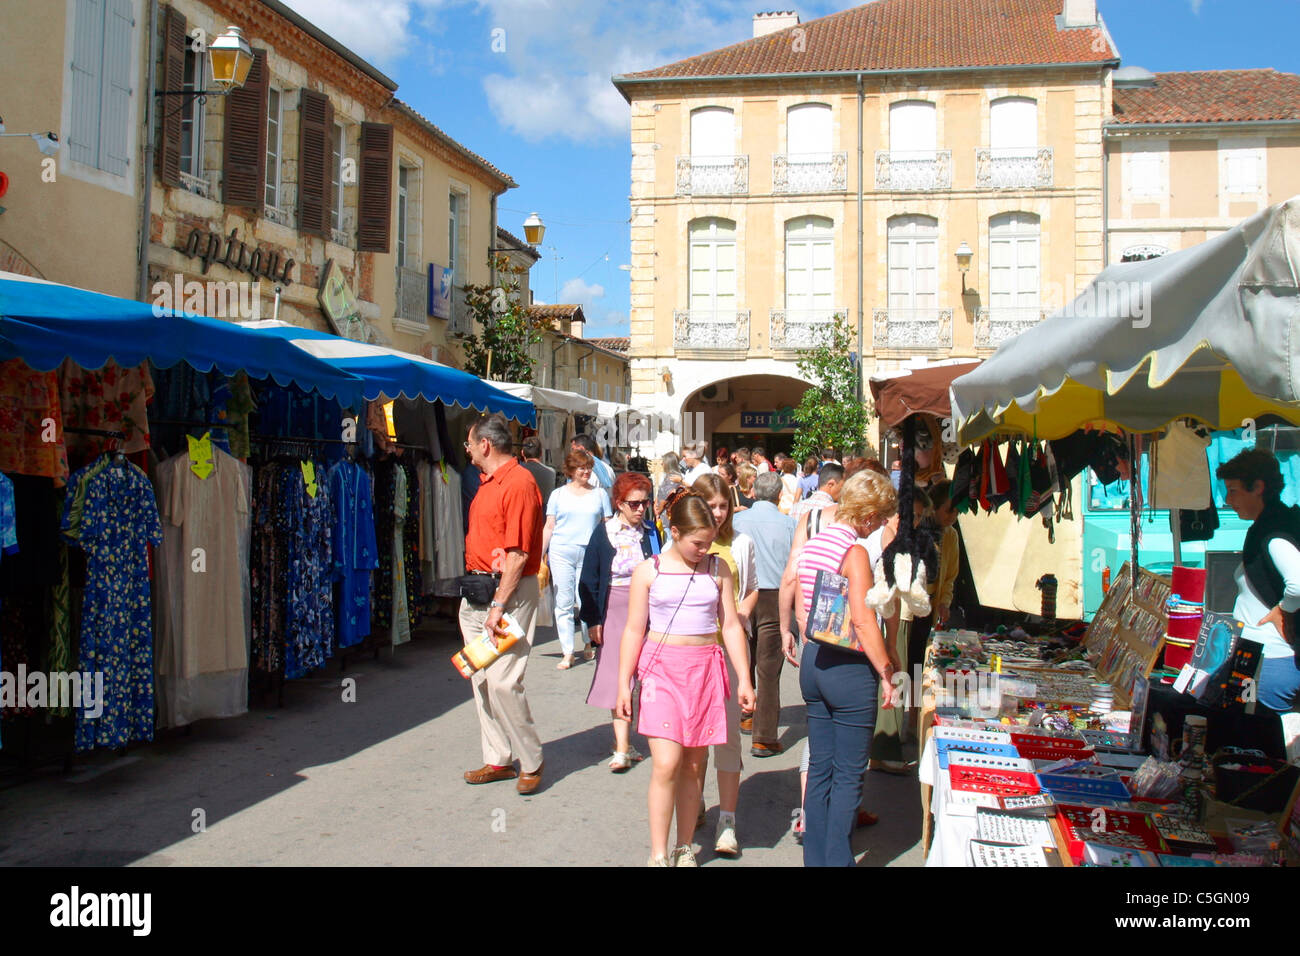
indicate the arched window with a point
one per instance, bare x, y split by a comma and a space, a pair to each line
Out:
1014, 261
810, 265
713, 132
1013, 126
913, 263
713, 270
913, 127
808, 133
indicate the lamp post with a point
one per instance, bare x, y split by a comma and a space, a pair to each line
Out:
229, 58
46, 142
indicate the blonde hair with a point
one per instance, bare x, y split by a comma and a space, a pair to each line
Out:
866, 495
745, 475
690, 513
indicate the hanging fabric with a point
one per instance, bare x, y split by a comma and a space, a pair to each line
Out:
31, 423
119, 520
1182, 479
400, 631
111, 398
354, 547
203, 588
449, 520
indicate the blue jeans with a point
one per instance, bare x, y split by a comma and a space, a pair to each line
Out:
840, 689
1279, 683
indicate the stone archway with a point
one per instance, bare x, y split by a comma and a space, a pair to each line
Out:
744, 410
11, 260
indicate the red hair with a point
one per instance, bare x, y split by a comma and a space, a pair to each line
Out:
627, 483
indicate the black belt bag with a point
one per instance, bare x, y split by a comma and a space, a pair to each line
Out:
475, 588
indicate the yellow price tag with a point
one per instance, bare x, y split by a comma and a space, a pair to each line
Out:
201, 455
309, 477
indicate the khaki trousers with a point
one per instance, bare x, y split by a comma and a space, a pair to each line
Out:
505, 722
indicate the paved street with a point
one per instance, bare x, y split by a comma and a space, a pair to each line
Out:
378, 781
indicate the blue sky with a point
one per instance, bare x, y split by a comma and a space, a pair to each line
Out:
525, 83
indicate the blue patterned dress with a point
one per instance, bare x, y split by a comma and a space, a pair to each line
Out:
355, 551
119, 519
309, 599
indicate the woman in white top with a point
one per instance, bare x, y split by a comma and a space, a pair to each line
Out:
737, 550
791, 490
572, 513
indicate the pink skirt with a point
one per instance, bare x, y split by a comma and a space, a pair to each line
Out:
604, 684
684, 691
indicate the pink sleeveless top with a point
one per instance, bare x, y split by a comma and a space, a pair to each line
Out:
824, 551
683, 603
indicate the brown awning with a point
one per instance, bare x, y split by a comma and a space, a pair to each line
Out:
922, 390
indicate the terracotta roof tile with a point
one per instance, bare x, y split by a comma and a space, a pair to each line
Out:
561, 311
1210, 96
904, 35
617, 344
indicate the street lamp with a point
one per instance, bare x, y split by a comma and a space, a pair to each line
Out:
230, 59
963, 264
46, 142
534, 229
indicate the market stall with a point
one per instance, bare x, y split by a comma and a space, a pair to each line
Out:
1212, 327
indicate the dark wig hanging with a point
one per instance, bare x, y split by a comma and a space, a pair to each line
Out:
909, 540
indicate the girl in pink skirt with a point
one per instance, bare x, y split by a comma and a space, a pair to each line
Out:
683, 597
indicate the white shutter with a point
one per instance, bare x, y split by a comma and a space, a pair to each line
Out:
117, 84
713, 269
87, 74
713, 132
1014, 261
1146, 169
1241, 170
913, 263
809, 265
913, 127
1013, 124
808, 133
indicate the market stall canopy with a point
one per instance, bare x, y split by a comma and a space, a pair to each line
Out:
922, 390
1215, 327
551, 399
391, 373
44, 323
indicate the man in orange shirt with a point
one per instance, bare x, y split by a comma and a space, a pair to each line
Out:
504, 537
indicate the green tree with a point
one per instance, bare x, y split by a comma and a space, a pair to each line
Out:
501, 351
830, 415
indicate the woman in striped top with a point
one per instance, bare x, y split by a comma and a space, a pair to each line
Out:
841, 687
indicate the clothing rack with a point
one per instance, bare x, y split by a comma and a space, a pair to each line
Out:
101, 432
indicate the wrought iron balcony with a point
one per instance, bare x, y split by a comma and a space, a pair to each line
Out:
797, 329
712, 175
282, 216
197, 185
809, 172
912, 330
711, 331
994, 326
340, 237
412, 296
913, 171
1013, 168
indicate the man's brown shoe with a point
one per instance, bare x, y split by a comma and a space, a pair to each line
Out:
529, 782
766, 750
489, 774
746, 725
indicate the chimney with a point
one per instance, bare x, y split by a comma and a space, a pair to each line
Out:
1079, 13
765, 23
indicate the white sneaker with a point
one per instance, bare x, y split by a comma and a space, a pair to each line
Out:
683, 856
726, 843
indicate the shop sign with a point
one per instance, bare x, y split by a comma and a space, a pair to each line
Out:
339, 303
440, 284
207, 247
779, 420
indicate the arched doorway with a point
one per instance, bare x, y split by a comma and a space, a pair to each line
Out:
746, 410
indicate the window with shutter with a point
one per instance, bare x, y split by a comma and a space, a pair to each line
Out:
712, 292
315, 152
171, 143
1240, 169
913, 127
244, 149
339, 147
808, 133
913, 263
1014, 261
102, 85
1013, 126
191, 116
274, 131
375, 206
1147, 172
809, 265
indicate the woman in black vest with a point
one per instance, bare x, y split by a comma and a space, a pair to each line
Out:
1268, 578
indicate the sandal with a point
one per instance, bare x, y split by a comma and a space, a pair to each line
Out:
623, 760
589, 653
565, 663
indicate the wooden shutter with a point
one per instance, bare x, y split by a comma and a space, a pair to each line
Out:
119, 84
87, 80
315, 190
244, 154
375, 206
175, 41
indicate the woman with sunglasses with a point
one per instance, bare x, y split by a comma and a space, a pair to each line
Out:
615, 549
677, 604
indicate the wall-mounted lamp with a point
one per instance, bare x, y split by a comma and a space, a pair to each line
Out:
666, 374
46, 142
230, 58
964, 254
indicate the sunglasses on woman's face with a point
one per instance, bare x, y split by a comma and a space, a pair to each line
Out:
636, 503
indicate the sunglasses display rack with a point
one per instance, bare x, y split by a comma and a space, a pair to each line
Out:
1125, 638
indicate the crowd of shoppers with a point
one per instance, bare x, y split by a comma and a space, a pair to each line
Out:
692, 595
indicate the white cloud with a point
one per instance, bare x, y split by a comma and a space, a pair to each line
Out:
377, 30
1196, 6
